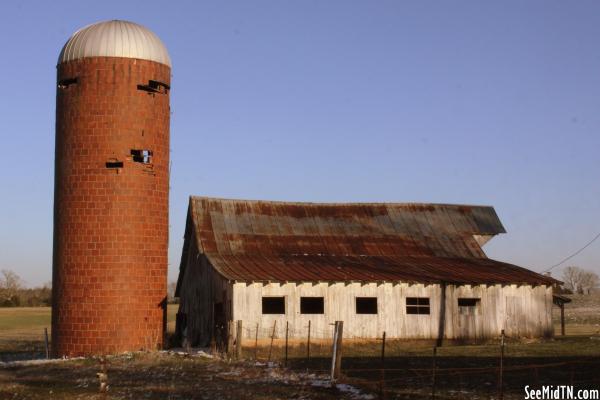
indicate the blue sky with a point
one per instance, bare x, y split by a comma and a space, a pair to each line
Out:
457, 102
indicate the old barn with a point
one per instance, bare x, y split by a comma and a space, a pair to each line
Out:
416, 271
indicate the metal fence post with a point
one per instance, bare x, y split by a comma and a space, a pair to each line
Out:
308, 343
46, 343
238, 340
256, 343
272, 337
382, 375
501, 372
433, 367
287, 330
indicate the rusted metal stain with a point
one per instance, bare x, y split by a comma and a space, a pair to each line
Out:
280, 241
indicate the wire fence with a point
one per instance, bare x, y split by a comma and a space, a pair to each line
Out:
392, 367
24, 344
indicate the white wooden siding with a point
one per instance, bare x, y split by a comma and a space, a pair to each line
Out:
523, 311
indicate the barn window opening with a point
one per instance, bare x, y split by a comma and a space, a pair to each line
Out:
141, 156
468, 306
417, 305
366, 305
114, 164
312, 305
155, 87
273, 305
65, 83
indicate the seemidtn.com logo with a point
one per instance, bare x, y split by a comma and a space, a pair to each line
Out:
560, 392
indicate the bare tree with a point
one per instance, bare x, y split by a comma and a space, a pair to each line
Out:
10, 284
579, 280
571, 278
589, 281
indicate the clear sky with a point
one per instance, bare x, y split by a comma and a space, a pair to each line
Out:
475, 102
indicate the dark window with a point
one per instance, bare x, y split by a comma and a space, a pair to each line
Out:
468, 306
273, 305
65, 83
141, 156
311, 305
417, 305
366, 305
155, 87
114, 164
468, 302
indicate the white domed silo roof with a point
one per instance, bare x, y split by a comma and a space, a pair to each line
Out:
115, 39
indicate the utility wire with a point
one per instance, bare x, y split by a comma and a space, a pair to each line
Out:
572, 255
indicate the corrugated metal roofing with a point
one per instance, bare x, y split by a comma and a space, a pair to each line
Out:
283, 241
115, 39
267, 227
311, 268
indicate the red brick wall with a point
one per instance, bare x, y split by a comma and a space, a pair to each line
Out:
110, 225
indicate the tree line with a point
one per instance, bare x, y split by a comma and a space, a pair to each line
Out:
13, 292
580, 281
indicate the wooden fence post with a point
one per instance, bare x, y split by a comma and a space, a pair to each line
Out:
272, 337
46, 343
501, 372
238, 340
336, 359
308, 343
230, 329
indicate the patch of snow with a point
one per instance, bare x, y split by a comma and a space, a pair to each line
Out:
321, 383
353, 392
203, 354
37, 362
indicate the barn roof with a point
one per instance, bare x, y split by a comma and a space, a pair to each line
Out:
284, 241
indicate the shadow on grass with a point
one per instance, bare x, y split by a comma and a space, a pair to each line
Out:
17, 350
475, 375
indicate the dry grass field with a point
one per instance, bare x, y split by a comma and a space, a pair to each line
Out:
468, 371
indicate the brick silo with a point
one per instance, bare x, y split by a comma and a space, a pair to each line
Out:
111, 191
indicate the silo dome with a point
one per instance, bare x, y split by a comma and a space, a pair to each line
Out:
115, 39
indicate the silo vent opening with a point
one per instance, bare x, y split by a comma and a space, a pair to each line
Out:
141, 156
155, 87
114, 164
65, 83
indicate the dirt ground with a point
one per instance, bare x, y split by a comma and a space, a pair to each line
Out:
165, 375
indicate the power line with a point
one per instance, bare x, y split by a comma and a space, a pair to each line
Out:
574, 254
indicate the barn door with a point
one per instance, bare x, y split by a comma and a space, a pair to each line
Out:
515, 314
469, 318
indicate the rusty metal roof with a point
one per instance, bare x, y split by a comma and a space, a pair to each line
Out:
283, 241
311, 268
266, 227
